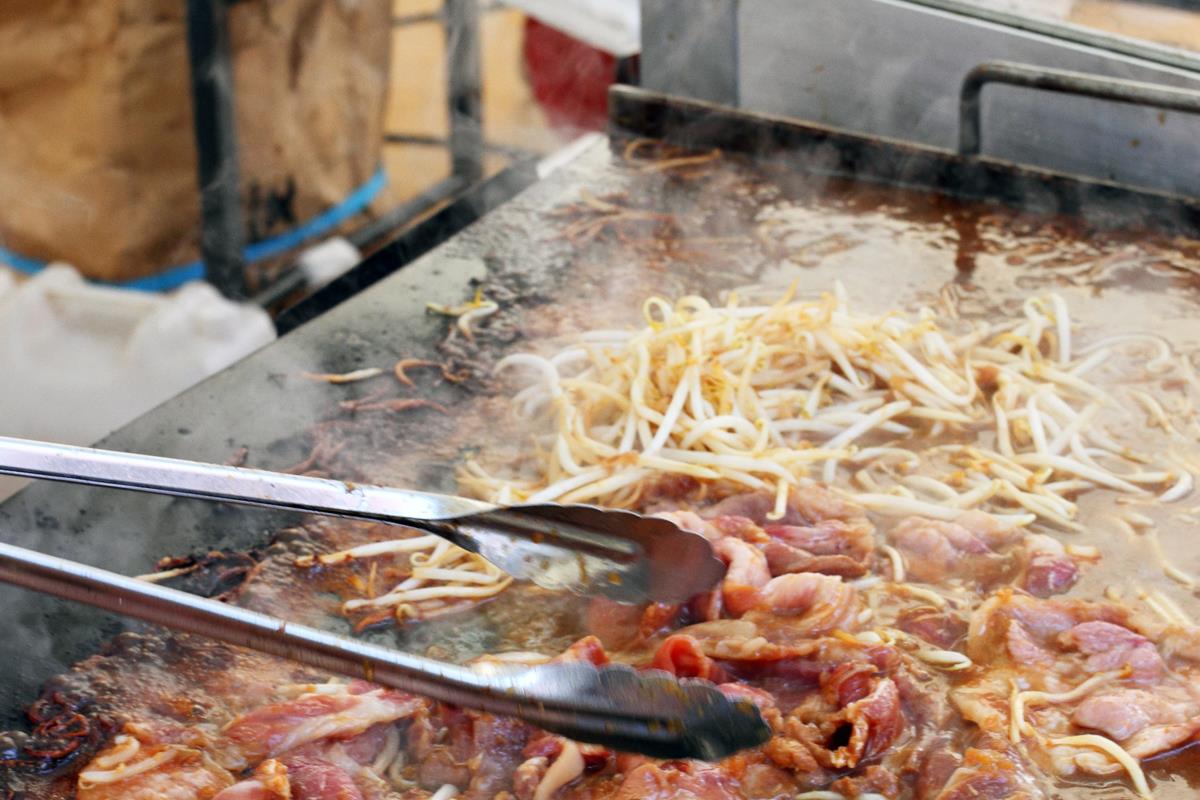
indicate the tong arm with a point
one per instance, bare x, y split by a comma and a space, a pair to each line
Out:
644, 712
618, 554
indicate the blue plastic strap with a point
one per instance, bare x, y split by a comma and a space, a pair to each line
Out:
174, 277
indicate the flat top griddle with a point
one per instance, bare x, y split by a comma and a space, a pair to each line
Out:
547, 283
263, 405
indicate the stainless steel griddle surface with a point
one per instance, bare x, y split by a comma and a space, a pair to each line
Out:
545, 283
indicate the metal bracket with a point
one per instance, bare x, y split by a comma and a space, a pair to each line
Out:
1063, 82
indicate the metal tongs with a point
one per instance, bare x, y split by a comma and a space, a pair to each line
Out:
615, 554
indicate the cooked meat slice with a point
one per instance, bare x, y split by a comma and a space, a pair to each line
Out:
746, 573
831, 537
497, 745
683, 657
1048, 575
936, 626
874, 780
821, 603
742, 528
691, 521
793, 755
935, 550
857, 732
678, 780
765, 702
754, 506
1022, 648
588, 649
1073, 668
1147, 723
988, 774
1024, 628
616, 625
1121, 713
784, 558
936, 764
171, 772
313, 778
763, 780
439, 768
657, 617
252, 790
1110, 647
280, 727
815, 519
1155, 740
1048, 569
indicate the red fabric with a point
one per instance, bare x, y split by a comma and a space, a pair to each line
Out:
570, 79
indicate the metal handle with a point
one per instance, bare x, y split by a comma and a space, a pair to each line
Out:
1063, 82
617, 554
645, 712
180, 478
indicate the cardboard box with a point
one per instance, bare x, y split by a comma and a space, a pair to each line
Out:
97, 154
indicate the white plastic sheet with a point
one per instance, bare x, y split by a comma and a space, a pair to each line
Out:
78, 360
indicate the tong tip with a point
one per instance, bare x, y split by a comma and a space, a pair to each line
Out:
648, 711
636, 557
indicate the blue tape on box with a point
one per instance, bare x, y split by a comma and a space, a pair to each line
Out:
174, 277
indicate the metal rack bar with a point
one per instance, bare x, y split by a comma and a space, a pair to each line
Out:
222, 227
222, 233
293, 281
1060, 81
464, 208
423, 140
464, 89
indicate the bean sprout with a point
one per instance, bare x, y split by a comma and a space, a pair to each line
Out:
440, 577
772, 397
344, 377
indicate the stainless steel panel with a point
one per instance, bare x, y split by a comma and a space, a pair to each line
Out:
690, 47
894, 68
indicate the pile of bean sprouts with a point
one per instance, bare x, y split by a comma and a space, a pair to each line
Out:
911, 414
441, 578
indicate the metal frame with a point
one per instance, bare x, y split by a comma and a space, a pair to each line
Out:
464, 83
1063, 82
222, 229
464, 89
468, 206
424, 140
